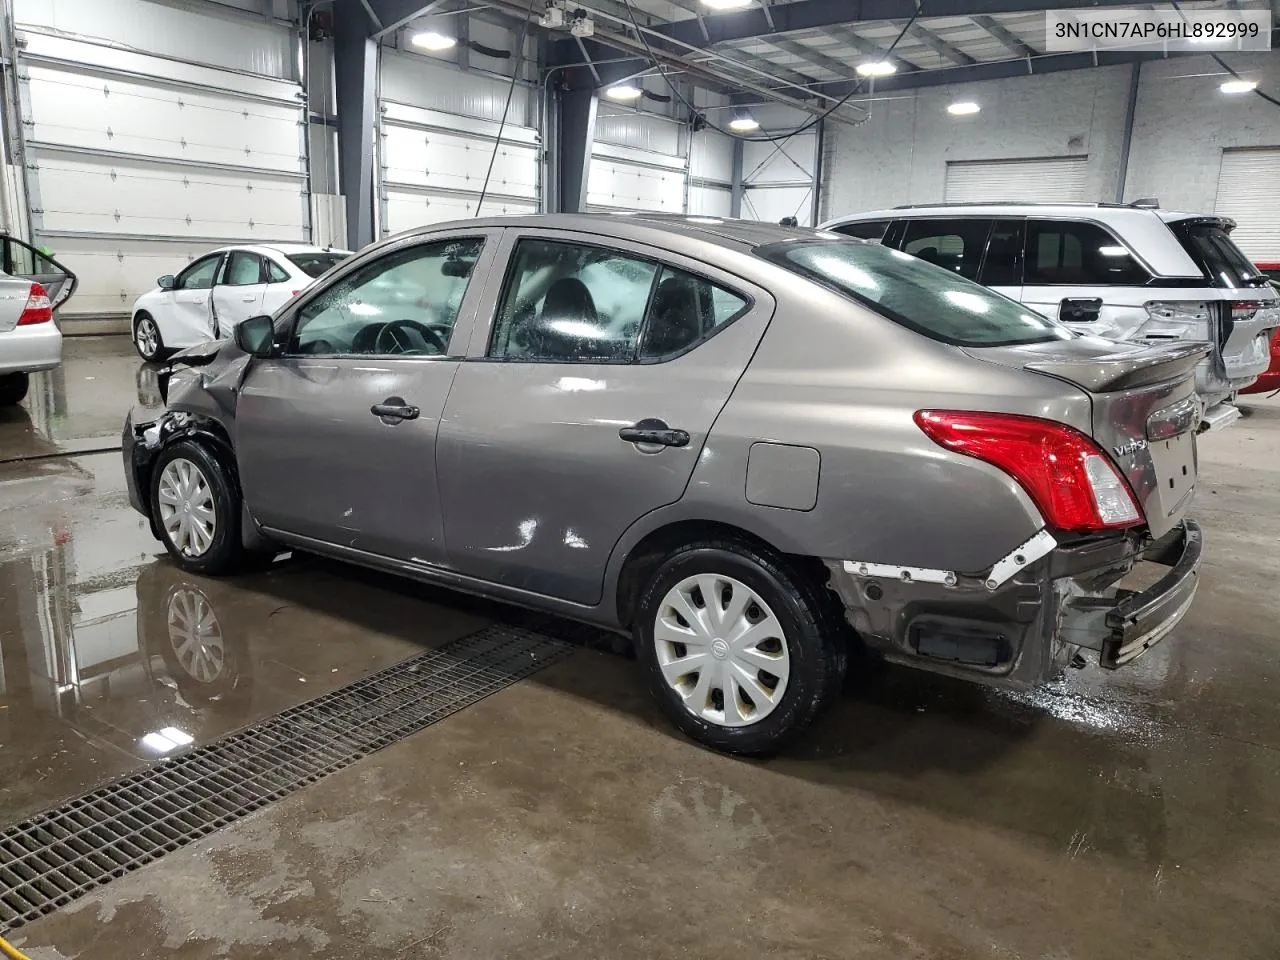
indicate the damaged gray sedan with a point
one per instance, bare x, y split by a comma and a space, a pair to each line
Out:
748, 446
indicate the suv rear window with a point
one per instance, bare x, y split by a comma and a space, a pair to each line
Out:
930, 300
315, 264
1214, 252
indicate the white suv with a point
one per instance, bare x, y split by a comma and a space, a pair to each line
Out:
1121, 271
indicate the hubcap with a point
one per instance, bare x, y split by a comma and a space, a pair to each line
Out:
195, 635
187, 510
147, 337
722, 650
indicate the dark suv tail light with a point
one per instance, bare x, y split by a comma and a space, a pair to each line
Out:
39, 308
1071, 480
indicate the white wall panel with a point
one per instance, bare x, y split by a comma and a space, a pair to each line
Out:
617, 184
406, 209
710, 202
771, 204
150, 118
138, 197
786, 162
711, 156
643, 130
421, 82
201, 33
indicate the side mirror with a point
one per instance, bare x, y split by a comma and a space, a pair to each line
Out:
256, 336
165, 282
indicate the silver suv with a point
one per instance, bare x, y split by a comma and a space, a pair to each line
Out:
1123, 271
748, 447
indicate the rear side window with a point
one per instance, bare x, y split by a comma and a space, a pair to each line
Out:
276, 273
934, 302
864, 229
1214, 252
1002, 266
1070, 253
954, 245
684, 310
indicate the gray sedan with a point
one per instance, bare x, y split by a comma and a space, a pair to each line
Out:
748, 446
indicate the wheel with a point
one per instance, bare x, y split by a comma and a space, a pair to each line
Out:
146, 337
13, 388
742, 650
196, 503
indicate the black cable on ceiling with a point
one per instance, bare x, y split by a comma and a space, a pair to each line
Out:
767, 138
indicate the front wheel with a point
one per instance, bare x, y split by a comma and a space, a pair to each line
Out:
742, 651
13, 388
146, 338
195, 501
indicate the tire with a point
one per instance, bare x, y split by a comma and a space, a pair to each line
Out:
189, 474
13, 388
795, 623
147, 339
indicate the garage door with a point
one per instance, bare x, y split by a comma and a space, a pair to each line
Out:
629, 178
1247, 194
136, 164
1046, 180
434, 165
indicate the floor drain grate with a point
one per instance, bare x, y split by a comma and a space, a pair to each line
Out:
62, 854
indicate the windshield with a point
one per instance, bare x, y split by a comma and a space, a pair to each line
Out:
1216, 254
314, 264
925, 298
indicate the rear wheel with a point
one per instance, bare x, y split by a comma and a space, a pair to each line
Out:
742, 651
146, 337
13, 388
195, 501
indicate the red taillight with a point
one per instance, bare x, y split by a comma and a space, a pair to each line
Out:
1070, 479
39, 308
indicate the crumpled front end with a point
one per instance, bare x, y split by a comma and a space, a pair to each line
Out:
1032, 614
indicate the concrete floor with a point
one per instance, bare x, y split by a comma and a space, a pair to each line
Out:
1124, 815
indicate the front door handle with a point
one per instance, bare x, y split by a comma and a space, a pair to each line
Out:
393, 410
248, 299
654, 432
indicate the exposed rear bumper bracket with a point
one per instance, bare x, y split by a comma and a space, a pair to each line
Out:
1141, 620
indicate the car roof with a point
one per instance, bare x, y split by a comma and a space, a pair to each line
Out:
284, 249
645, 227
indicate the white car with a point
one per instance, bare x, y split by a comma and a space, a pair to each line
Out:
32, 286
1121, 271
222, 289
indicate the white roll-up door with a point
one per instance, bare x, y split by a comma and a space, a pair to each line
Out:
631, 178
1044, 180
1248, 194
136, 163
434, 166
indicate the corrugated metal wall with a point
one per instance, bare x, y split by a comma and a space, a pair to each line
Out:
137, 162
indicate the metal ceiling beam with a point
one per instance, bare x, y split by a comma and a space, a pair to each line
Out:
388, 16
1010, 41
820, 14
811, 56
873, 49
999, 70
939, 46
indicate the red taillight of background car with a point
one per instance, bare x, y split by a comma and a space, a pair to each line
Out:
1071, 480
39, 308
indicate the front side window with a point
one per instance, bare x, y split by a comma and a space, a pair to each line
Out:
402, 304
198, 276
242, 269
569, 302
1069, 253
864, 229
954, 245
936, 303
1002, 266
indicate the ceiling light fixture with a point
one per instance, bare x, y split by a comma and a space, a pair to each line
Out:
1238, 86
726, 4
623, 91
434, 40
744, 123
876, 68
963, 108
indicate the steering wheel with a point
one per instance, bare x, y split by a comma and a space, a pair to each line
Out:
399, 334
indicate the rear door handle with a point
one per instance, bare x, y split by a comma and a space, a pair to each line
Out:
248, 299
394, 409
655, 432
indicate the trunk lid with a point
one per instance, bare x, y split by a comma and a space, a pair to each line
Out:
1145, 410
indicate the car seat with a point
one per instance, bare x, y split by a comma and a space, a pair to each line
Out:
560, 330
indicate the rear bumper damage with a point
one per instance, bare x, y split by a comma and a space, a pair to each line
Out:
1020, 623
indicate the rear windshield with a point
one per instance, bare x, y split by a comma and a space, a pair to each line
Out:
1216, 254
314, 264
928, 299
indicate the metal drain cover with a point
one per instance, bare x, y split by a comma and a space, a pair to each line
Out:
57, 856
